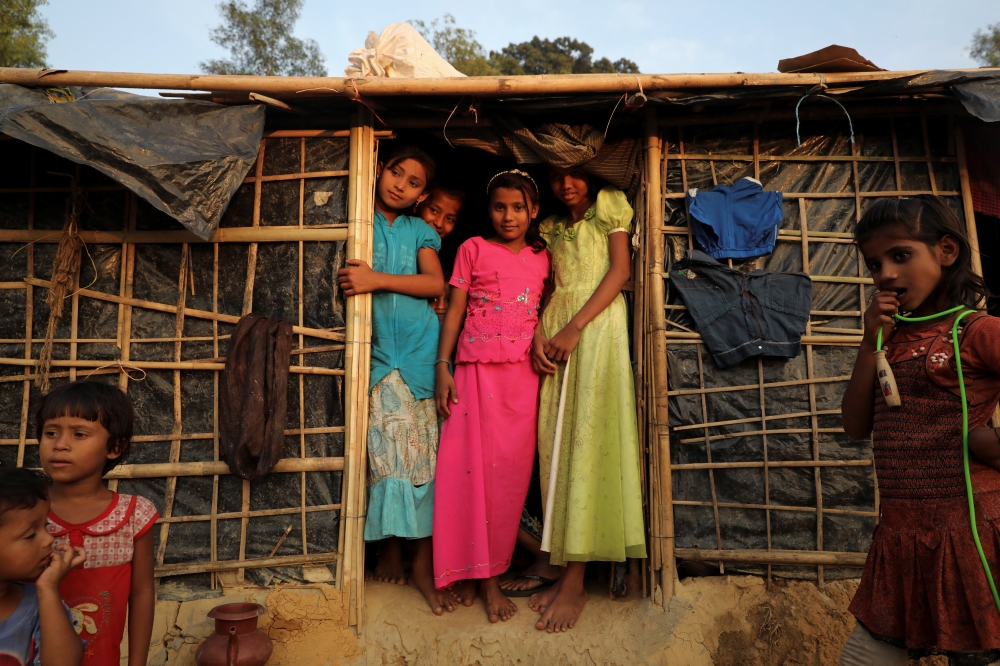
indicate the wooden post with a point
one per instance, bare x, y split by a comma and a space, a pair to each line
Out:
357, 359
660, 445
970, 212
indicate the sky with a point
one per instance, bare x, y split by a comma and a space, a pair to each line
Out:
661, 36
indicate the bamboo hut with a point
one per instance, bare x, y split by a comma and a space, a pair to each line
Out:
747, 467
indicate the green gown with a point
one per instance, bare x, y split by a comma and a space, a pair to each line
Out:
598, 496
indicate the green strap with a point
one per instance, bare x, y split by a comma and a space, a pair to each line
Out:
965, 431
965, 459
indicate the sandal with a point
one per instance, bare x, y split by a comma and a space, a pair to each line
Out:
546, 583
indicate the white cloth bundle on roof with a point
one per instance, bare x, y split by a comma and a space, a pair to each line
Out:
400, 51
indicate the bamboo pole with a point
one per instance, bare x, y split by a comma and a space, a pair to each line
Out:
336, 336
967, 207
660, 414
357, 367
775, 507
29, 310
770, 464
744, 157
228, 565
167, 365
178, 427
259, 513
785, 557
295, 176
212, 468
275, 234
300, 86
214, 518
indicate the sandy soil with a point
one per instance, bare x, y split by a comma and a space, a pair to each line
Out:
713, 621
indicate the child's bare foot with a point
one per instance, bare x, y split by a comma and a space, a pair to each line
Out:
463, 592
561, 605
564, 611
540, 601
390, 562
422, 578
498, 607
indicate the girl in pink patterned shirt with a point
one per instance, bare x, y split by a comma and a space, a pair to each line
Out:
491, 404
84, 430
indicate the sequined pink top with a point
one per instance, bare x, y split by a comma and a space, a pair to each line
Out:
505, 292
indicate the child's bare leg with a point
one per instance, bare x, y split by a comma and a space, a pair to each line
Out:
540, 568
422, 578
464, 592
390, 562
498, 606
561, 610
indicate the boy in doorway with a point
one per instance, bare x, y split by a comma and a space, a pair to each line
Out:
441, 210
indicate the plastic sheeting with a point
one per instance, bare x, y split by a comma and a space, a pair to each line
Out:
186, 158
157, 269
843, 488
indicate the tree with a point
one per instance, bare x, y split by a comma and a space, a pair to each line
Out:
23, 33
457, 45
985, 47
539, 56
556, 56
261, 42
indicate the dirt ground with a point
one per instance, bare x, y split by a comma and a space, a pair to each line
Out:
713, 621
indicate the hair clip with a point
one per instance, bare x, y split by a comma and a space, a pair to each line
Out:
516, 172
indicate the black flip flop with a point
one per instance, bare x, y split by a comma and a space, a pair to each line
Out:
546, 583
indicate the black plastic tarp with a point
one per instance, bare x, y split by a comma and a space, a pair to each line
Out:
847, 493
187, 158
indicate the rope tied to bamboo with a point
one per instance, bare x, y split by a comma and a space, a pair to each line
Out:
64, 270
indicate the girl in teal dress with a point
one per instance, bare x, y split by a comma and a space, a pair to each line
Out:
402, 417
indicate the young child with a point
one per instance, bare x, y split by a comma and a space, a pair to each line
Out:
35, 625
440, 210
598, 496
490, 406
402, 421
924, 587
84, 431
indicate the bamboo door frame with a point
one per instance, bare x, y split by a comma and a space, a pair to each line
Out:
357, 369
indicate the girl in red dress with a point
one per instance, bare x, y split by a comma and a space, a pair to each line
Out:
924, 588
84, 430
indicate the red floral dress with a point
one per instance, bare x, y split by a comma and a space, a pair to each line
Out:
923, 584
97, 593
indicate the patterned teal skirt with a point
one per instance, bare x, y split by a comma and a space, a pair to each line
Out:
402, 456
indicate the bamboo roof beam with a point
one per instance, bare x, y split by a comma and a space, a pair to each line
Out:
486, 86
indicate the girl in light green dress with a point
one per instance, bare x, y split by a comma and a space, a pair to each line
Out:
598, 493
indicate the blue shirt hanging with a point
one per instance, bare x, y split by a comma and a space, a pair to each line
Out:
735, 222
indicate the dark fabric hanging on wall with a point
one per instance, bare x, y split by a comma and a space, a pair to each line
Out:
253, 407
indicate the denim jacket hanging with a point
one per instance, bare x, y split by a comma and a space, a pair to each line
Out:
737, 222
740, 315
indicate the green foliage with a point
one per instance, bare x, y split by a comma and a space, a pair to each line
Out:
23, 33
261, 42
556, 56
985, 47
539, 56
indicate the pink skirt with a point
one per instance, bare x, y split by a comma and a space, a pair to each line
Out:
483, 468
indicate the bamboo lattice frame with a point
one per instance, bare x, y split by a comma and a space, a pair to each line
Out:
307, 343
665, 337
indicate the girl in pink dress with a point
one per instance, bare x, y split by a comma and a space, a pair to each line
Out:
491, 404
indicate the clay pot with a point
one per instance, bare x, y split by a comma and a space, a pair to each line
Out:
237, 640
